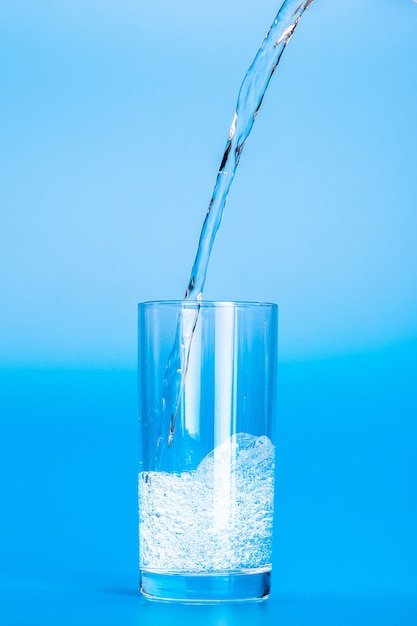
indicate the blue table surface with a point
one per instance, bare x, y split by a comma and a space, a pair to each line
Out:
345, 548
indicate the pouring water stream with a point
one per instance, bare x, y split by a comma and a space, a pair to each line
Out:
249, 101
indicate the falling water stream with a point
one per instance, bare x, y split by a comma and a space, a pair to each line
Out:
249, 101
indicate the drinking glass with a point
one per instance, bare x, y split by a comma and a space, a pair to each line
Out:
207, 396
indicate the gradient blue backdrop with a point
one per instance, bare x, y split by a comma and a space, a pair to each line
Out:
114, 117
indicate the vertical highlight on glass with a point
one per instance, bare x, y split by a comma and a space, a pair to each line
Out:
206, 493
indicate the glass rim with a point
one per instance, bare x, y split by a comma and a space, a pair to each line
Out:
208, 304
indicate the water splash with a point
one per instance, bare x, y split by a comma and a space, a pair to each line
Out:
217, 518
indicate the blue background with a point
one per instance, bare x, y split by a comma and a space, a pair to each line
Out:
114, 118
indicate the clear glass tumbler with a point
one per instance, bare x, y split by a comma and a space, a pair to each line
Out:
207, 393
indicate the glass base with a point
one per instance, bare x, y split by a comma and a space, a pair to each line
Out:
249, 586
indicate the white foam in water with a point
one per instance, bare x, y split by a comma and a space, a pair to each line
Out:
216, 518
